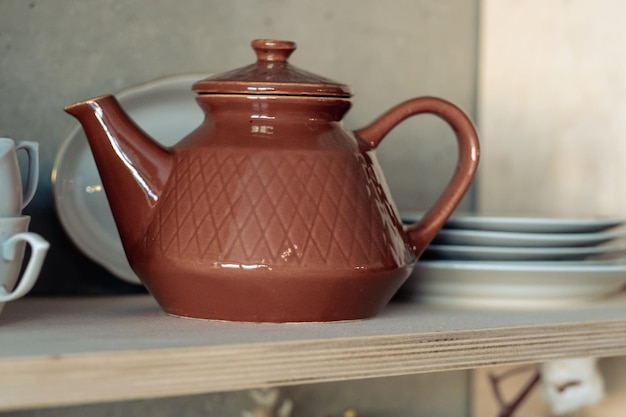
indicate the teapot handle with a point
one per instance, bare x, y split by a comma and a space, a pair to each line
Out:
422, 232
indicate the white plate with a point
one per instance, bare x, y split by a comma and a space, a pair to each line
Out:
514, 284
521, 239
503, 253
525, 224
532, 224
166, 109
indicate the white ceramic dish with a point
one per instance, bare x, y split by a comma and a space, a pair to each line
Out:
166, 109
533, 224
527, 224
503, 253
514, 284
522, 239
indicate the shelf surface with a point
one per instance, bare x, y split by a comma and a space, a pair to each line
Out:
62, 351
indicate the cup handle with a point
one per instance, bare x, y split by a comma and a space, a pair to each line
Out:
32, 151
422, 232
39, 248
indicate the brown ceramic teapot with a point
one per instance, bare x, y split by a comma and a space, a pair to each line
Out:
270, 210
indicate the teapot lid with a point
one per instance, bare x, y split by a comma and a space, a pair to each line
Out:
271, 74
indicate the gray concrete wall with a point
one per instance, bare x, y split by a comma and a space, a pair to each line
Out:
54, 53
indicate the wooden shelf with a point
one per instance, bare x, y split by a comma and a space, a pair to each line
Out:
62, 351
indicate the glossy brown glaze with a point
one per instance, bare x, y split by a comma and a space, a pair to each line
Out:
270, 210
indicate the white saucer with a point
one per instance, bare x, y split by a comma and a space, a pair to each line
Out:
523, 239
533, 224
166, 109
514, 284
503, 253
525, 224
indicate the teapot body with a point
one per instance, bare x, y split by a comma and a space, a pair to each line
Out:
273, 212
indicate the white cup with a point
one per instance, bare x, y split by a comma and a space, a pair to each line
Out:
14, 197
14, 236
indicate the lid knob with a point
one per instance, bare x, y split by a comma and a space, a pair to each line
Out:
273, 50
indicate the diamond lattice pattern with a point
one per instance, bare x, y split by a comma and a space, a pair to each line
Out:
316, 210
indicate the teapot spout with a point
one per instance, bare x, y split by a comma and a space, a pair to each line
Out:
132, 166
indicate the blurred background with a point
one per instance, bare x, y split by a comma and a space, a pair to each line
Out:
54, 54
545, 83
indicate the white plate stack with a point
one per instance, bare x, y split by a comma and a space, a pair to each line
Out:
513, 262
